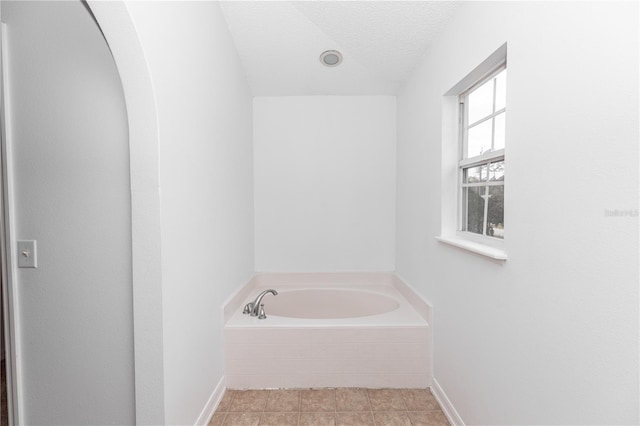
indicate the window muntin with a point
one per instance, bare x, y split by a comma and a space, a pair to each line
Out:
481, 166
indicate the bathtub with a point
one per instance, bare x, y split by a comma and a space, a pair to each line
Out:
328, 330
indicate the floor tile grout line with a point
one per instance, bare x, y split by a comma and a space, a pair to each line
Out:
403, 401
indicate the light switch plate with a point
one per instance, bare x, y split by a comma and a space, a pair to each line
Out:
27, 254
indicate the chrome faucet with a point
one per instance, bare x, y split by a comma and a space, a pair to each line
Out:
255, 308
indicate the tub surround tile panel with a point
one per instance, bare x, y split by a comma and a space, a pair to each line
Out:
322, 335
356, 357
365, 350
281, 352
351, 350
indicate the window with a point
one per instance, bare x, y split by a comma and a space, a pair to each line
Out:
473, 160
482, 162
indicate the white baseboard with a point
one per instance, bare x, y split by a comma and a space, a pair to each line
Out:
212, 404
446, 405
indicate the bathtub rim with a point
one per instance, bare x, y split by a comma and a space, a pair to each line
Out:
337, 289
365, 280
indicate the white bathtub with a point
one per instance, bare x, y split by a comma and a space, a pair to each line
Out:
328, 330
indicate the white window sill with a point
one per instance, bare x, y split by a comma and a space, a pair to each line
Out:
492, 252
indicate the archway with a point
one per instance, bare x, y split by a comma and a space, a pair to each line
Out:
120, 32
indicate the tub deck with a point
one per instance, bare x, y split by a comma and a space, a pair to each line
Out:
405, 315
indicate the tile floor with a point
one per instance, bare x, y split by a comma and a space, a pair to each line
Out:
336, 407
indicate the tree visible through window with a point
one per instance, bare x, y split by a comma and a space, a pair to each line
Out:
483, 113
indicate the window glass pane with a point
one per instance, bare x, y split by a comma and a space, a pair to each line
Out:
495, 212
474, 209
496, 171
498, 139
480, 102
482, 207
479, 139
501, 90
475, 174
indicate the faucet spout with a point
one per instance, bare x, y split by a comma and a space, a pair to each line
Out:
253, 308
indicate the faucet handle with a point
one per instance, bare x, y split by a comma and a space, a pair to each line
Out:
262, 315
248, 308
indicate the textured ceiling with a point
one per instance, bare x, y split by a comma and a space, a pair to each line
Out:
280, 42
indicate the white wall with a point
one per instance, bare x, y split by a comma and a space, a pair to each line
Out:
204, 110
324, 183
551, 335
72, 195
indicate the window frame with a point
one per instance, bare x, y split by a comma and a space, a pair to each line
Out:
465, 163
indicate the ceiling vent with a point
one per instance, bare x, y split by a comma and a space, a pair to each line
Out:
331, 58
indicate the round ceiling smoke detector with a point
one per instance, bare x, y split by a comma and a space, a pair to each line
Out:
331, 58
